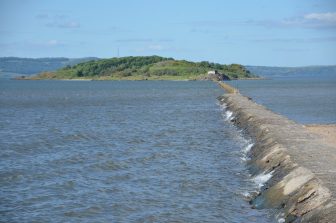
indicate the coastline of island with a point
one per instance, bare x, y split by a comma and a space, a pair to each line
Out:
146, 68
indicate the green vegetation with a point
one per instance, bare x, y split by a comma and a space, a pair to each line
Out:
144, 68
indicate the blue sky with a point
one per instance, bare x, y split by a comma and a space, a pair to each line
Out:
249, 32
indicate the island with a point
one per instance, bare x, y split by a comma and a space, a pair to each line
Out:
145, 68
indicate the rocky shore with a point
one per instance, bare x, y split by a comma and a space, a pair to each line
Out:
300, 165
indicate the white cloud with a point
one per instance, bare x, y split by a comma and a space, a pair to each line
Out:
156, 47
33, 45
309, 21
42, 16
69, 24
134, 40
329, 17
48, 16
57, 21
153, 47
66, 25
297, 40
54, 43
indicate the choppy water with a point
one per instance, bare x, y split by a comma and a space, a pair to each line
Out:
120, 152
305, 100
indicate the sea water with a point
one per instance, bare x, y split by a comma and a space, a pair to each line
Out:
307, 100
122, 151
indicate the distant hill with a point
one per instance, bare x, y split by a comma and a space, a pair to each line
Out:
15, 66
145, 68
309, 71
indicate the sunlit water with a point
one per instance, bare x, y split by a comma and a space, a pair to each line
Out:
154, 151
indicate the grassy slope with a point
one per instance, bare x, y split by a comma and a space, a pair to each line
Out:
144, 68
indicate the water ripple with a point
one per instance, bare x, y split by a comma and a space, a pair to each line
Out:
120, 152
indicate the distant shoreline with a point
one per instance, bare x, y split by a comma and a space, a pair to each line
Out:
146, 68
24, 78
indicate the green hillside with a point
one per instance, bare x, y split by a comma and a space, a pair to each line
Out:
144, 68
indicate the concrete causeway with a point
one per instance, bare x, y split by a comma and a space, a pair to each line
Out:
303, 183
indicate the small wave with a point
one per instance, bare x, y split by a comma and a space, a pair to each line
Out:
223, 106
229, 115
244, 158
249, 195
246, 195
262, 178
280, 218
247, 149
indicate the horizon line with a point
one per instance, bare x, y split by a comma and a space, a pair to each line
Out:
99, 58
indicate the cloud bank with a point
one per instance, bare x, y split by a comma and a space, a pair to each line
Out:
309, 21
58, 21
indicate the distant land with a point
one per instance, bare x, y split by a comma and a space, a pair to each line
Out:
144, 68
15, 66
159, 68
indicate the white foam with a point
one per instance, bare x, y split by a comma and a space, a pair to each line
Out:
223, 106
246, 194
247, 149
281, 220
229, 115
280, 217
245, 152
244, 158
262, 178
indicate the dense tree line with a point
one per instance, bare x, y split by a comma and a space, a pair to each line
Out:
147, 67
